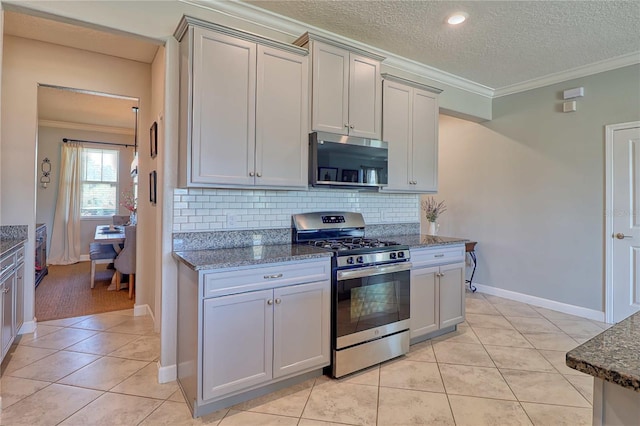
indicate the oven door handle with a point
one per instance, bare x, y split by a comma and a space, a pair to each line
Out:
373, 270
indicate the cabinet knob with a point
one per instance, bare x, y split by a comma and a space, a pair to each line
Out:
259, 174
270, 302
251, 174
278, 301
346, 125
351, 127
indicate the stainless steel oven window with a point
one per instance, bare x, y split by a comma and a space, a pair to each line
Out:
368, 302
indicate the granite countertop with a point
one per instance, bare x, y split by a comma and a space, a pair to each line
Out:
244, 256
8, 244
422, 240
613, 355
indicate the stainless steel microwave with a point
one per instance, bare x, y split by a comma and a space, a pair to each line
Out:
347, 161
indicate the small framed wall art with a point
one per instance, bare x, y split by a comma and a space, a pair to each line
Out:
153, 184
153, 139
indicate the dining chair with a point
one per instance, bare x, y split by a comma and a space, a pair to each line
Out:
125, 263
120, 219
100, 254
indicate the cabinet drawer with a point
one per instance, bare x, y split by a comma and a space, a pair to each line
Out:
423, 257
265, 276
7, 263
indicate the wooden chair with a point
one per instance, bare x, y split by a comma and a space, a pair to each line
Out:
100, 254
125, 263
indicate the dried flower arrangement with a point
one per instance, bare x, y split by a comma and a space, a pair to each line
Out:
128, 200
432, 209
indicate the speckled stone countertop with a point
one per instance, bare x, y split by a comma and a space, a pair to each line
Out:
244, 256
11, 236
613, 355
421, 240
6, 245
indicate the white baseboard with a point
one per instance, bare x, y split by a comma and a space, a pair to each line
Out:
168, 373
142, 310
27, 327
84, 258
578, 311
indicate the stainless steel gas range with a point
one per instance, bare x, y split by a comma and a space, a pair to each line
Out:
370, 289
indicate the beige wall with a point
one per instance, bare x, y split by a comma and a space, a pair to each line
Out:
529, 187
26, 64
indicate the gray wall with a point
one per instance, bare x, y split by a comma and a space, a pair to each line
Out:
529, 186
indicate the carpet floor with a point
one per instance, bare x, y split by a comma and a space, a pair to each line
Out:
66, 292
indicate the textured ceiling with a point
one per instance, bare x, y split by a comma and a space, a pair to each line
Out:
501, 44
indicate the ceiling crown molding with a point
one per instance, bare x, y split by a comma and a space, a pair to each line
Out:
294, 29
583, 71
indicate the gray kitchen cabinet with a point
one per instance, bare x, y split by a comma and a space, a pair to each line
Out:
243, 109
255, 328
437, 290
346, 94
410, 126
11, 297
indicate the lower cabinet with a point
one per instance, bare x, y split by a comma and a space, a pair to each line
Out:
11, 297
437, 289
262, 326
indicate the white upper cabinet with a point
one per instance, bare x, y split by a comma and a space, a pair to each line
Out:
346, 88
410, 126
243, 109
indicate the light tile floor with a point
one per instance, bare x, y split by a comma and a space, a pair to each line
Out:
504, 366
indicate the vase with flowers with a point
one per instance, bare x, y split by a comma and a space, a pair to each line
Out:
432, 211
128, 201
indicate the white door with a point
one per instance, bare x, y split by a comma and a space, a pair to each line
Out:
396, 131
424, 146
237, 342
452, 294
281, 119
330, 97
365, 97
301, 328
424, 298
623, 221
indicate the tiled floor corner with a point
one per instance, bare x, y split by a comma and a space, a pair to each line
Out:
504, 365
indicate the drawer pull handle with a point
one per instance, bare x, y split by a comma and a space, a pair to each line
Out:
269, 277
439, 255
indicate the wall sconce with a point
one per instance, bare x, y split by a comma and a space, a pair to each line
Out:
45, 167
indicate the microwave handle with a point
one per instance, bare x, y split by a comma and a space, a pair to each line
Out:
373, 270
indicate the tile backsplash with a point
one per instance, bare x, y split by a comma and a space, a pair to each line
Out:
235, 209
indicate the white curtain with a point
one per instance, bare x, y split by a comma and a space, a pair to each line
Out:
65, 235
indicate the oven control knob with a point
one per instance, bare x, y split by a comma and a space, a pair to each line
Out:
350, 260
392, 255
359, 259
400, 254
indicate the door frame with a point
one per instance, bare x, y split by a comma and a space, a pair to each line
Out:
608, 216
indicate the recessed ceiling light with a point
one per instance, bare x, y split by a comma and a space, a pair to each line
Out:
457, 18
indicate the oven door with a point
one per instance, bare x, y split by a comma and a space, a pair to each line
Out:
371, 302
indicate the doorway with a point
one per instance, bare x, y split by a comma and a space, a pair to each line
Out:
104, 125
622, 223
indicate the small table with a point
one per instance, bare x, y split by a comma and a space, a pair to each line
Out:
105, 235
470, 247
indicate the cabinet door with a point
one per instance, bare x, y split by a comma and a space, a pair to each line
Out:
451, 294
330, 97
224, 93
424, 136
8, 312
237, 342
301, 328
281, 119
19, 290
365, 97
424, 301
397, 124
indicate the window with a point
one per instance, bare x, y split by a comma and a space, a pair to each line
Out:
99, 180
